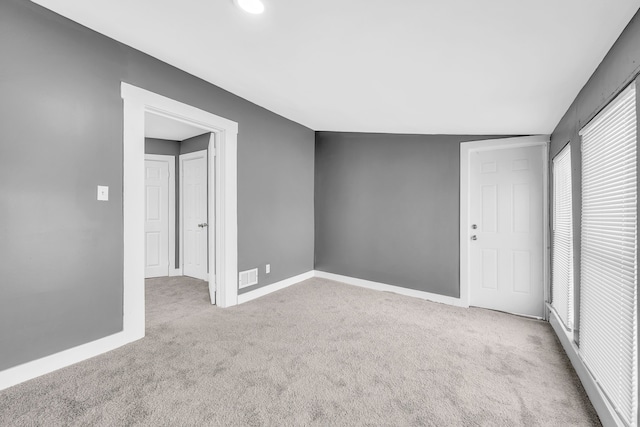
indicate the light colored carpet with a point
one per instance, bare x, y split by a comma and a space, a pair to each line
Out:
170, 298
317, 353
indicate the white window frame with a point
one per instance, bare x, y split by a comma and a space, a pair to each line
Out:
565, 310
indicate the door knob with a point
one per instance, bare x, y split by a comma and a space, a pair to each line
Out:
474, 226
474, 237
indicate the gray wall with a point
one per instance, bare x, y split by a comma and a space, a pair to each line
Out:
617, 70
169, 148
62, 122
162, 146
387, 208
197, 143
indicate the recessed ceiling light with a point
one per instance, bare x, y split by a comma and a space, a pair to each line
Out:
251, 6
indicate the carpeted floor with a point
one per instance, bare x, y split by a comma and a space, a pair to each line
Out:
170, 298
317, 353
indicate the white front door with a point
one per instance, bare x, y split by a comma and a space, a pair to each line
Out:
156, 226
506, 229
193, 170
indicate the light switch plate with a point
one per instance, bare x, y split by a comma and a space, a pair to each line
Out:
268, 269
103, 192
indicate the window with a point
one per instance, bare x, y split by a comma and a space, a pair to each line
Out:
608, 282
562, 262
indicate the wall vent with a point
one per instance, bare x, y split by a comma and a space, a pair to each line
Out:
248, 278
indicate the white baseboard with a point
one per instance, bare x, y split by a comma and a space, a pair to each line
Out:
30, 370
607, 414
175, 272
265, 290
26, 371
443, 299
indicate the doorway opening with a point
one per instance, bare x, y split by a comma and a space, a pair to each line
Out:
177, 268
140, 107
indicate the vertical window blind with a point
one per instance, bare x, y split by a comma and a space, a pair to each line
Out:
608, 282
562, 262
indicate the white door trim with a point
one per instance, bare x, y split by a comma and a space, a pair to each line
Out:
183, 157
137, 102
171, 160
214, 210
466, 148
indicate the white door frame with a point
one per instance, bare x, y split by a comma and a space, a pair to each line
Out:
171, 160
188, 156
466, 148
137, 102
213, 208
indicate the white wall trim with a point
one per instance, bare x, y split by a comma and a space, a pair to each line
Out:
171, 160
466, 148
175, 272
27, 371
606, 412
443, 299
265, 290
212, 215
137, 102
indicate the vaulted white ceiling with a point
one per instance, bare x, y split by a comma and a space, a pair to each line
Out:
398, 66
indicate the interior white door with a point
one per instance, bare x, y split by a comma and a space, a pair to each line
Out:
156, 228
193, 170
506, 213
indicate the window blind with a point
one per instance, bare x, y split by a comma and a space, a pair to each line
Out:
562, 262
608, 311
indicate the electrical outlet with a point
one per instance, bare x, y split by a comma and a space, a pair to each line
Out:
267, 269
